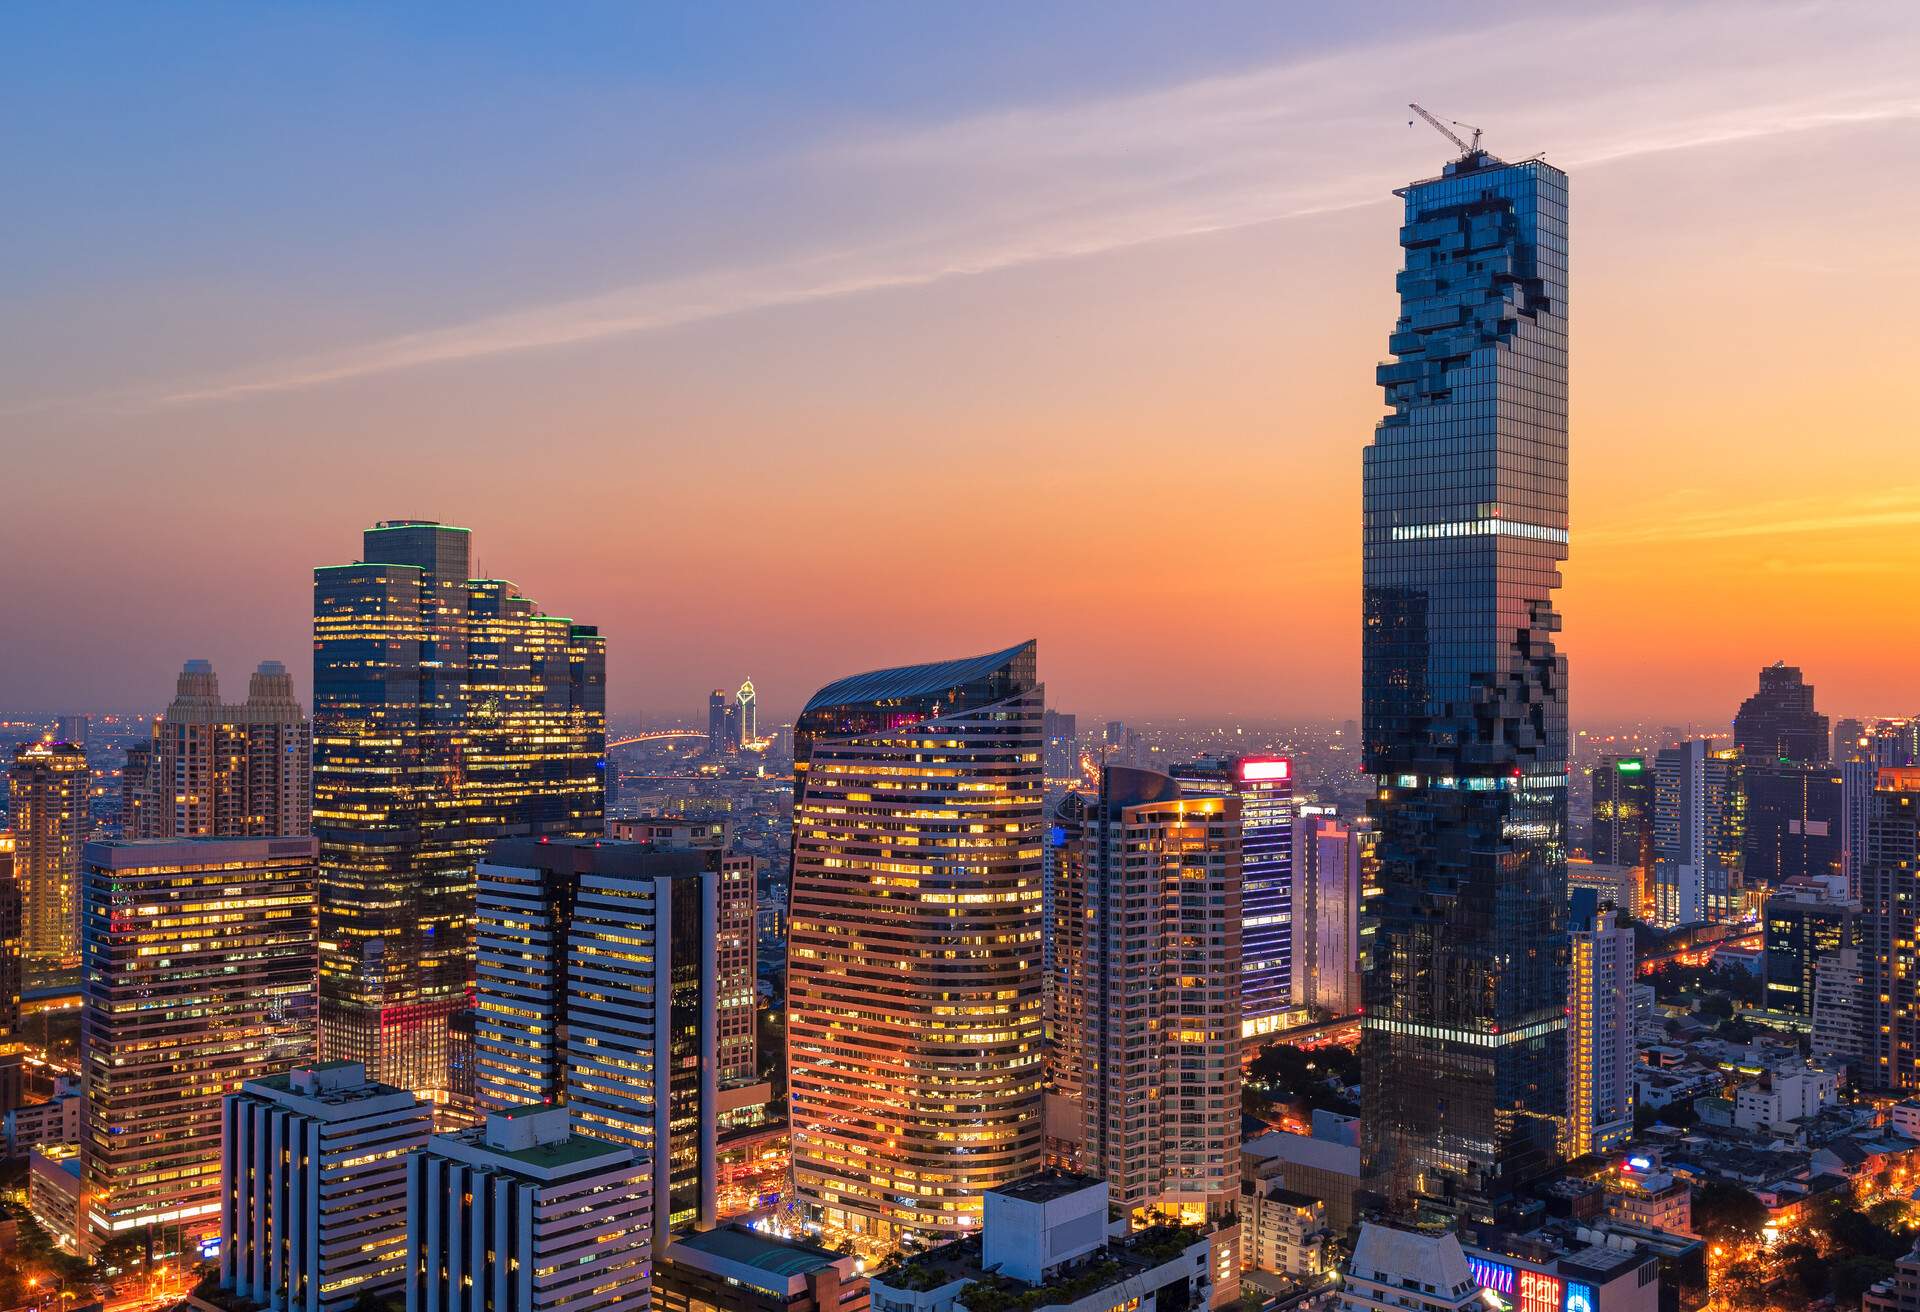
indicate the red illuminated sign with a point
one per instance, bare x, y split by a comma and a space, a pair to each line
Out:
1256, 770
1539, 1292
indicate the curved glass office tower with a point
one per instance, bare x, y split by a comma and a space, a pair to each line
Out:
1464, 693
914, 1029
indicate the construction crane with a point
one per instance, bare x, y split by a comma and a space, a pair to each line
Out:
1466, 147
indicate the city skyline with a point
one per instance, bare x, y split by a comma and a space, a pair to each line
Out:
1062, 270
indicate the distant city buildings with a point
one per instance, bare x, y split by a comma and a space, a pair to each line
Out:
313, 1187
914, 992
1147, 952
47, 794
1600, 1028
217, 770
525, 1213
199, 967
448, 712
1062, 733
1463, 691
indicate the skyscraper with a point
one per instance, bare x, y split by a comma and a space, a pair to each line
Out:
748, 702
214, 770
1622, 833
1147, 953
914, 1029
1805, 920
1600, 1031
12, 942
47, 789
1063, 749
1795, 822
72, 729
720, 718
1330, 875
1778, 723
1270, 955
1890, 898
1699, 830
199, 977
448, 712
599, 988
1464, 691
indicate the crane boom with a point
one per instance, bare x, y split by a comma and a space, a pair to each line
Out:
1466, 147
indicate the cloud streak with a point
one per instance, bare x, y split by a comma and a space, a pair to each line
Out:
1003, 190
1892, 508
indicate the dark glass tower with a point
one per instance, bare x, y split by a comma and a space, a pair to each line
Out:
1779, 723
1464, 693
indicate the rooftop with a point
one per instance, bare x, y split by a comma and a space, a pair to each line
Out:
764, 1252
1047, 1186
916, 680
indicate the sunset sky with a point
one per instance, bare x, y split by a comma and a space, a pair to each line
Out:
793, 340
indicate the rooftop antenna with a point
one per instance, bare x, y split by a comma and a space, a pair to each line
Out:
1466, 147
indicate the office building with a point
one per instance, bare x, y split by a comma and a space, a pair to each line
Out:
1847, 739
1269, 964
13, 931
1147, 955
72, 729
1600, 1029
1778, 723
1463, 690
723, 723
738, 1269
747, 702
313, 1187
1622, 832
1324, 1164
1331, 871
47, 794
448, 712
598, 989
1619, 887
199, 963
1062, 762
1890, 924
1795, 822
527, 1214
1699, 830
913, 978
1805, 920
218, 770
53, 1193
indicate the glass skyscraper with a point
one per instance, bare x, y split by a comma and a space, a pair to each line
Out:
447, 712
1464, 691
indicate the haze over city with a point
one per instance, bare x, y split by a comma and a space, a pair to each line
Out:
737, 332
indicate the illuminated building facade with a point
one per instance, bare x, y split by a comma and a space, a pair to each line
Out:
1804, 920
448, 712
1699, 829
598, 984
1063, 749
218, 930
1332, 877
914, 991
213, 770
12, 947
747, 704
1600, 1029
1622, 832
1464, 692
1890, 897
523, 1214
1145, 1053
47, 790
1270, 968
313, 1187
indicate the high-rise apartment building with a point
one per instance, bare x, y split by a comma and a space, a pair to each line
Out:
1463, 690
1622, 832
1331, 865
199, 977
219, 770
1270, 960
1890, 898
1145, 1052
12, 951
47, 793
1805, 919
313, 1187
1779, 723
914, 991
448, 712
1062, 732
1699, 829
525, 1214
1600, 1028
599, 988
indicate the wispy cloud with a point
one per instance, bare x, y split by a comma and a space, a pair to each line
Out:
997, 191
1889, 508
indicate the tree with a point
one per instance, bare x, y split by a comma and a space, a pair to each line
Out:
1854, 1276
1725, 1211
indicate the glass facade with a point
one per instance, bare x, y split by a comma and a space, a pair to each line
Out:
1464, 691
448, 712
914, 989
